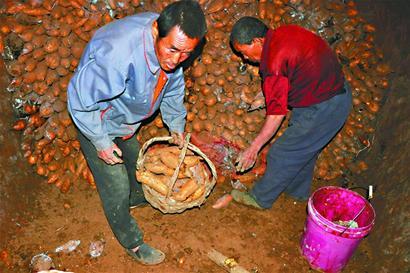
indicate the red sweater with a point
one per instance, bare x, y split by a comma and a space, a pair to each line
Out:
298, 69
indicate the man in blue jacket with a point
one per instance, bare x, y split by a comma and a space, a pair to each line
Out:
128, 70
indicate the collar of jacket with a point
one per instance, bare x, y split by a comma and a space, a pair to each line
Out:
149, 51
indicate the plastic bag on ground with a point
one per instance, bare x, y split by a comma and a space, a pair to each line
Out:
96, 248
68, 247
41, 262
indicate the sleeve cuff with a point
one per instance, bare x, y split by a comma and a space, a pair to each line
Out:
178, 127
277, 113
102, 143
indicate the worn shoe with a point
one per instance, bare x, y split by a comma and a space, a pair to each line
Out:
147, 255
245, 198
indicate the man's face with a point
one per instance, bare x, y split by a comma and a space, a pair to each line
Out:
174, 48
250, 52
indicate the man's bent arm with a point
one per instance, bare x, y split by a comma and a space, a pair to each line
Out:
270, 127
92, 84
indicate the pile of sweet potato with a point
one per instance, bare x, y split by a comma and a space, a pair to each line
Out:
42, 42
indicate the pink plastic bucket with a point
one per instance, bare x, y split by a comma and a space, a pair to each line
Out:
326, 245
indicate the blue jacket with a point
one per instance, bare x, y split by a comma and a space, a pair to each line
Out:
111, 91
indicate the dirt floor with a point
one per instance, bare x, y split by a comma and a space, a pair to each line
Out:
263, 241
36, 218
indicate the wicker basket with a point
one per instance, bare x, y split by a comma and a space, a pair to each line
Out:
165, 203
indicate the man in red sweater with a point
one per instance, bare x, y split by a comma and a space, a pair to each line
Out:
300, 73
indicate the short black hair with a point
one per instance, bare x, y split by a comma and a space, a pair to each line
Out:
246, 29
186, 14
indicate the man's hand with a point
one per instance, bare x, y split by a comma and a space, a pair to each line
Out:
111, 155
178, 139
247, 159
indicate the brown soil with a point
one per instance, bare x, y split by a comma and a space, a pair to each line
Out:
267, 241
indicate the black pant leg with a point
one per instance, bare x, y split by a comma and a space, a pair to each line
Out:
113, 186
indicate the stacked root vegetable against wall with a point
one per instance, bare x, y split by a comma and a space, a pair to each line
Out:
42, 42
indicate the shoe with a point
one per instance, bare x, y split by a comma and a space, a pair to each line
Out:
245, 198
139, 205
147, 255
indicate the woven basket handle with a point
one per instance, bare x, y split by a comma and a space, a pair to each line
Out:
180, 160
140, 161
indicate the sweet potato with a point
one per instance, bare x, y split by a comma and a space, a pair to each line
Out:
51, 76
190, 116
197, 125
64, 118
186, 190
46, 110
53, 60
215, 6
222, 201
169, 159
51, 45
30, 65
66, 184
158, 168
245, 178
92, 22
198, 193
62, 71
75, 144
29, 77
53, 178
16, 69
38, 54
48, 4
19, 125
210, 100
41, 170
41, 71
153, 181
40, 87
77, 49
26, 36
184, 173
151, 158
59, 106
35, 11
191, 160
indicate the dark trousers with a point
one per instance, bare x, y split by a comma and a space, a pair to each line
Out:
118, 189
292, 157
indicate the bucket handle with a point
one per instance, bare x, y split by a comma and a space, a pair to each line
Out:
369, 196
354, 219
369, 190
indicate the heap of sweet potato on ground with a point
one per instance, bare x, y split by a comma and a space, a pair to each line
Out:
42, 42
